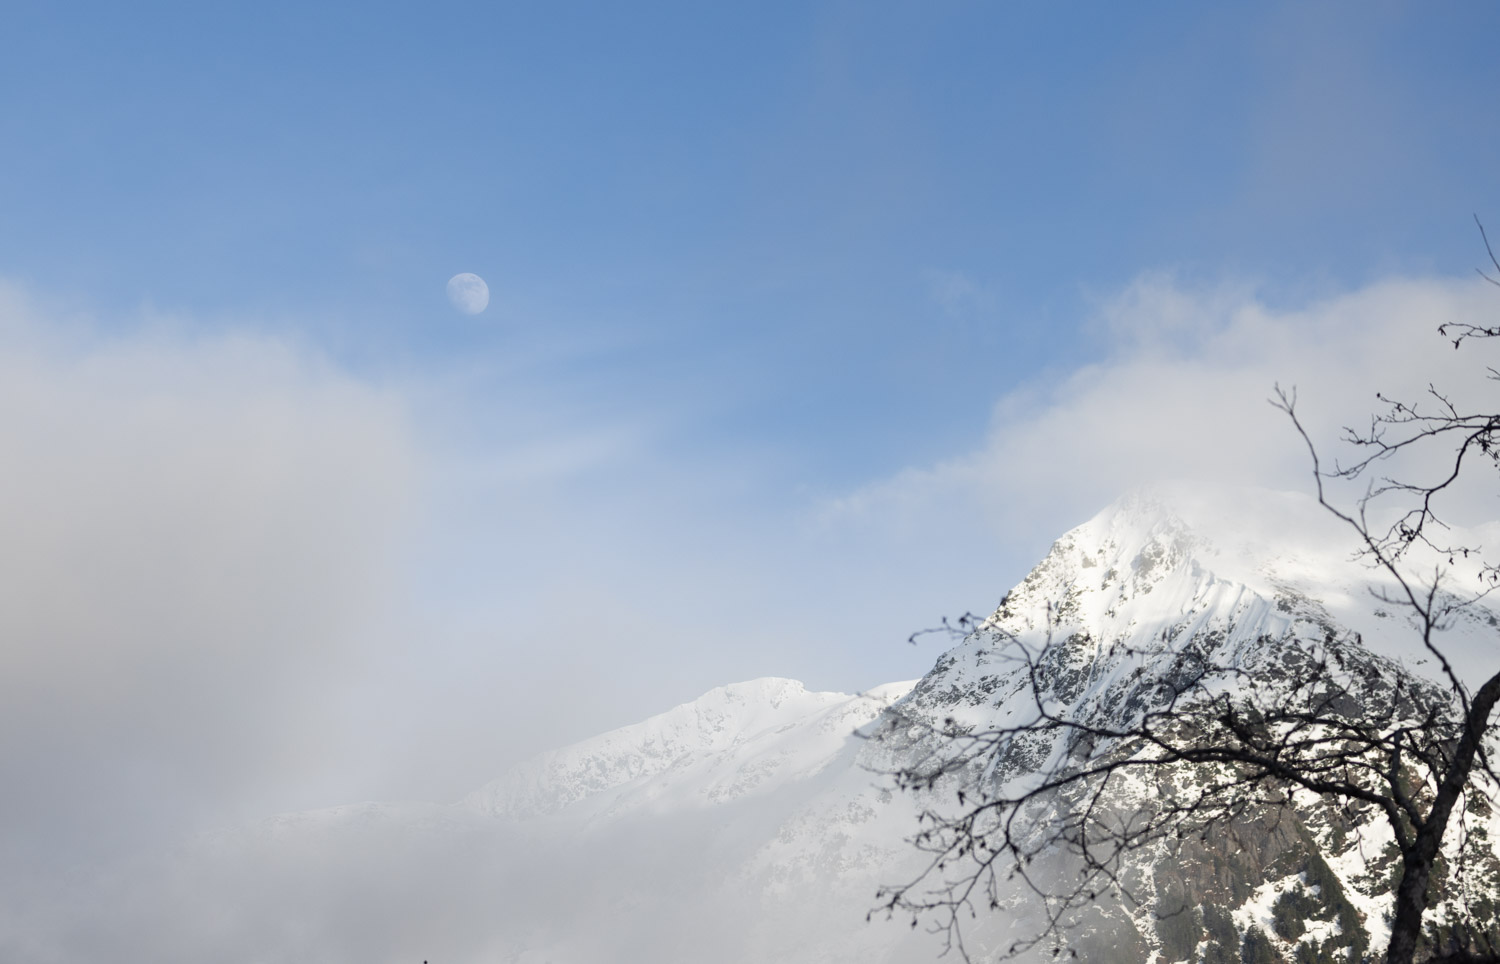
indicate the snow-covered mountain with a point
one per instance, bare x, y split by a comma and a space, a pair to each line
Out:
734, 741
1248, 581
756, 823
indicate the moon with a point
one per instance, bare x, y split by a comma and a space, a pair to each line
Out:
468, 292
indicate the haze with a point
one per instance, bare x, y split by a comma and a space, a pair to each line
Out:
809, 324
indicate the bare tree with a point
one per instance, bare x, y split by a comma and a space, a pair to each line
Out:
1187, 744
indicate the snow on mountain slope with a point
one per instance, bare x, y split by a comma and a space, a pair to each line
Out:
1222, 554
1172, 563
735, 740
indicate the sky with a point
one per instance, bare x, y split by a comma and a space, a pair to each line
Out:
810, 324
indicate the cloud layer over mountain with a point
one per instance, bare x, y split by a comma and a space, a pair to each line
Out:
1180, 389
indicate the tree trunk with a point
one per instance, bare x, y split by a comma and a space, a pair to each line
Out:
1411, 903
1417, 859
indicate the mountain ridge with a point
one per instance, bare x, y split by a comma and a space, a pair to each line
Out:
733, 738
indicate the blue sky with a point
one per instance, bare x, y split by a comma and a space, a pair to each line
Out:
749, 206
804, 326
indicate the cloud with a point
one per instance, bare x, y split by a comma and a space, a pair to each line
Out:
955, 292
198, 537
1180, 392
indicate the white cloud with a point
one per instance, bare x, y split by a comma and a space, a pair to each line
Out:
1181, 391
197, 540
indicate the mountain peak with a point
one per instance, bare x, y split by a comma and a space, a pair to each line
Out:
1151, 553
1169, 564
695, 754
